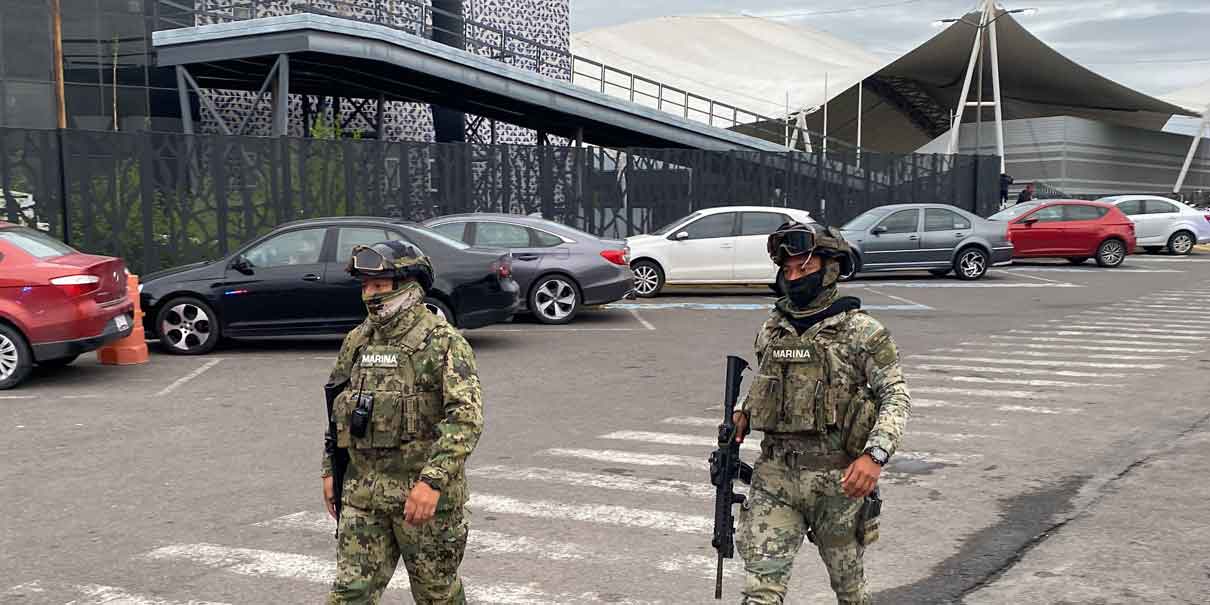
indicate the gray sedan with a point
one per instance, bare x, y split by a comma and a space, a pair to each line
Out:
936, 237
559, 269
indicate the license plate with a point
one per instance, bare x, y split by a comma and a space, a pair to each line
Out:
121, 322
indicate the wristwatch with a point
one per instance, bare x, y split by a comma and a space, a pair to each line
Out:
431, 483
879, 455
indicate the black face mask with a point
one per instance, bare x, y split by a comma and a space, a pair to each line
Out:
804, 290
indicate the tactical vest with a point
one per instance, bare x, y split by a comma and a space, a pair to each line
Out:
813, 384
405, 381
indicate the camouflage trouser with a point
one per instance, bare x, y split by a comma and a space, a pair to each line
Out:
372, 542
783, 504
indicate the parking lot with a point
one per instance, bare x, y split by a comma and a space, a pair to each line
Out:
1046, 396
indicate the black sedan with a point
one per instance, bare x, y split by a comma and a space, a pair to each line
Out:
292, 282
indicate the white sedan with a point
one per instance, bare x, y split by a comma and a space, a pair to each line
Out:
713, 246
1163, 223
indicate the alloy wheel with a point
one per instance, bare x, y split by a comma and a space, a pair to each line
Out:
1182, 243
555, 299
1113, 253
972, 264
9, 357
186, 327
646, 279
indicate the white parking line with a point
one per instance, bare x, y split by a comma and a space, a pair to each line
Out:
698, 306
593, 480
646, 324
1017, 371
1040, 278
186, 378
1033, 345
1027, 382
1090, 270
1053, 354
624, 516
900, 299
1135, 318
630, 458
558, 330
978, 393
1042, 363
671, 439
1155, 337
1110, 342
1131, 328
693, 421
97, 594
967, 285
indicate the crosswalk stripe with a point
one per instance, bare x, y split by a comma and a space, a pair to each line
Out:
1052, 354
1190, 318
1027, 382
943, 367
98, 594
1143, 329
671, 439
1135, 312
1111, 334
1037, 409
1068, 339
693, 421
1147, 305
599, 481
946, 436
977, 392
953, 421
1043, 363
607, 514
1078, 347
934, 403
629, 458
1104, 323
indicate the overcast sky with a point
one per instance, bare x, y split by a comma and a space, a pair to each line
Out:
1156, 46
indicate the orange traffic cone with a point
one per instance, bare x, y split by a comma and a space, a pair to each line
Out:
132, 349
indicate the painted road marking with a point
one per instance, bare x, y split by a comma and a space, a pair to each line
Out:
1028, 382
1110, 334
899, 298
1053, 354
967, 285
599, 481
186, 378
671, 439
929, 367
975, 393
646, 324
630, 458
1101, 323
608, 514
1032, 345
1167, 330
1090, 270
934, 403
1108, 343
98, 594
697, 306
1041, 363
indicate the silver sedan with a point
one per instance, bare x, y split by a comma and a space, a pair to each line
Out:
934, 237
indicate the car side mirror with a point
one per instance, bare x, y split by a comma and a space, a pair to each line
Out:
240, 263
681, 236
879, 230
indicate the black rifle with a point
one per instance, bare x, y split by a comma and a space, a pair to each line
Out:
340, 455
725, 468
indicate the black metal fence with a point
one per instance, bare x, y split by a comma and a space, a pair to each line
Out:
161, 199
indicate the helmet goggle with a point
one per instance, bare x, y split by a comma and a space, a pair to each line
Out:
792, 242
368, 259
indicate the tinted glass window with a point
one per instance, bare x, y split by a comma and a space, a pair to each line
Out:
761, 223
864, 221
1049, 214
1160, 207
35, 244
904, 221
667, 228
357, 236
501, 235
1013, 212
293, 248
1080, 212
938, 219
1132, 207
717, 225
452, 230
546, 240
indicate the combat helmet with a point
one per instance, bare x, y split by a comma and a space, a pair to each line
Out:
393, 259
794, 238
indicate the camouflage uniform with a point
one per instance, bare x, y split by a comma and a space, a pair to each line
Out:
822, 398
427, 419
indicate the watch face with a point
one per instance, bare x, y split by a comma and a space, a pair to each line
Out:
878, 454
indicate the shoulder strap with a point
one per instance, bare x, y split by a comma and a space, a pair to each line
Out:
416, 337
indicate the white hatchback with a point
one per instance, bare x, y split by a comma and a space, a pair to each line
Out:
723, 245
1163, 223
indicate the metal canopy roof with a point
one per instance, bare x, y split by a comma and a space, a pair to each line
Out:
335, 56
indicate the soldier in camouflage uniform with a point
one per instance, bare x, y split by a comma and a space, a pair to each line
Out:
412, 379
832, 403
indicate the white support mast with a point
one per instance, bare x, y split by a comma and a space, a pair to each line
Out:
1203, 130
991, 32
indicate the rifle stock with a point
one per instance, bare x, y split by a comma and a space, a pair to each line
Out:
725, 468
340, 455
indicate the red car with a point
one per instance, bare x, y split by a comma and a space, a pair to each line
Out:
1071, 229
55, 303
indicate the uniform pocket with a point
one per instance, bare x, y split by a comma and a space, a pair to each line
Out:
387, 419
763, 401
342, 407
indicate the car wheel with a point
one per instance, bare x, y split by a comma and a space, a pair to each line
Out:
554, 299
187, 326
648, 279
940, 272
1111, 253
16, 360
971, 264
60, 362
1181, 243
440, 309
1078, 260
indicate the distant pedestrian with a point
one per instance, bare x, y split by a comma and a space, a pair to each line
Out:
1005, 181
1026, 195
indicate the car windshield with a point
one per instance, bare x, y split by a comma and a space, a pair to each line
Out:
34, 243
440, 237
1013, 212
666, 228
863, 220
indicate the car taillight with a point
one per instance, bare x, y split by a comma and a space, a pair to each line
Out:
503, 269
1207, 216
617, 257
77, 285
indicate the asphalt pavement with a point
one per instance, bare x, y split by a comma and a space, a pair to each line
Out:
1055, 455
